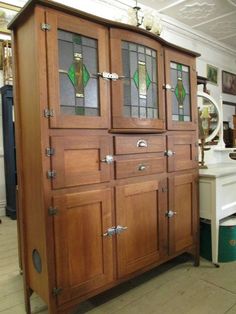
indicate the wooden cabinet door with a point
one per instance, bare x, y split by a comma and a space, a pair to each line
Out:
183, 151
83, 255
141, 207
181, 91
77, 51
183, 203
78, 160
137, 98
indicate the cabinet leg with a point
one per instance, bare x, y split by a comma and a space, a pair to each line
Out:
215, 240
196, 261
28, 293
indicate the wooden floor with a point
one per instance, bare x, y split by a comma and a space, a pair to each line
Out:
174, 288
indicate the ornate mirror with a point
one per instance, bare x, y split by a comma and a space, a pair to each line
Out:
209, 117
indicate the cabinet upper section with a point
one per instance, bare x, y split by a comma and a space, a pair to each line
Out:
108, 75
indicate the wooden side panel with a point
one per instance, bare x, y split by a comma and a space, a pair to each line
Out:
182, 201
140, 207
30, 81
83, 254
77, 160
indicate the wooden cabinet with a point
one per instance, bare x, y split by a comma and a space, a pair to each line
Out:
183, 213
83, 255
141, 208
137, 98
181, 88
100, 175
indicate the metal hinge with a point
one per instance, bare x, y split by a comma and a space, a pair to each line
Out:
45, 27
52, 211
56, 291
48, 113
49, 151
51, 174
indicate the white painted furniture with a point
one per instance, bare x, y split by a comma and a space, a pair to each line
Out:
217, 198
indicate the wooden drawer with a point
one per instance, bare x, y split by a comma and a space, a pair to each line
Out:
130, 167
139, 144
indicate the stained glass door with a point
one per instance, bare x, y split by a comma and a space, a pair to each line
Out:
180, 91
77, 51
137, 97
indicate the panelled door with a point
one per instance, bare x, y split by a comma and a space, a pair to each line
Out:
141, 210
77, 51
181, 91
182, 211
83, 254
182, 151
137, 96
80, 160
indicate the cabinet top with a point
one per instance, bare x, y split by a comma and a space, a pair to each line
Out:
28, 8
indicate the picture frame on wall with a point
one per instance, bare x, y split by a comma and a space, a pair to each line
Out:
212, 74
228, 83
7, 13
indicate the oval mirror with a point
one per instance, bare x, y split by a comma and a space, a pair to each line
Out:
209, 117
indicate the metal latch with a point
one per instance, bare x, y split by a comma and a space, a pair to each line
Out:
120, 229
168, 87
45, 27
110, 76
51, 174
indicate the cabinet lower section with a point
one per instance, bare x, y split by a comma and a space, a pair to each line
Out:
99, 244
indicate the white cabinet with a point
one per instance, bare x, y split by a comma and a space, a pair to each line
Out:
217, 186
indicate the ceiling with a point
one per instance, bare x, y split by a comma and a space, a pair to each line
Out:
216, 18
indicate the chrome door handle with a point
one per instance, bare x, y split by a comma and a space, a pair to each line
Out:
169, 153
120, 229
108, 159
110, 232
170, 214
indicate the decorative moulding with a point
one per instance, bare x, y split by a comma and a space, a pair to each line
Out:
197, 11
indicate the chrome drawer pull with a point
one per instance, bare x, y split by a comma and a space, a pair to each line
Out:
141, 167
108, 159
142, 143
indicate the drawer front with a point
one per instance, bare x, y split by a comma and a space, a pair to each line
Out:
139, 144
126, 168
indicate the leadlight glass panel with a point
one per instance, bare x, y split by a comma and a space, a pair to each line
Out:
78, 68
181, 100
140, 82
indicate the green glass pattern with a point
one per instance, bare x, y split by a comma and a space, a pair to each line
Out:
180, 107
140, 92
78, 64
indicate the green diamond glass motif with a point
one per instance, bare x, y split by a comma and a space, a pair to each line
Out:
136, 78
86, 75
180, 92
148, 80
72, 73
